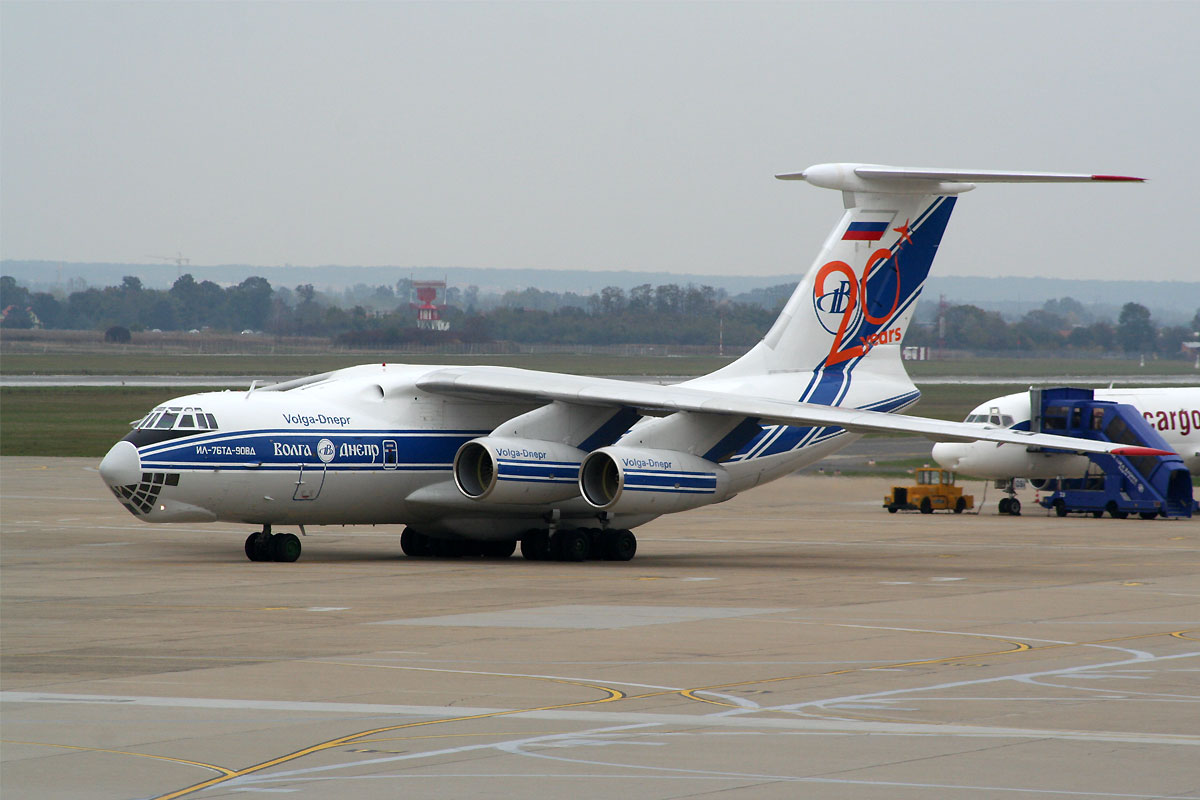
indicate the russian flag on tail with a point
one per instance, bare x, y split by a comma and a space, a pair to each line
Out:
865, 231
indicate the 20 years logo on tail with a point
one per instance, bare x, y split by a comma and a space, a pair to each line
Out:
840, 304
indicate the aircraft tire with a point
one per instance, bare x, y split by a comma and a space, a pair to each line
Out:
618, 545
258, 546
926, 506
502, 549
1014, 508
447, 548
570, 544
285, 547
413, 544
535, 545
1004, 504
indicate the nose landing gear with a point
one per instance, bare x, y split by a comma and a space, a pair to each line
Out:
266, 546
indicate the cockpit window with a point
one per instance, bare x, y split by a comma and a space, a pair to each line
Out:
178, 418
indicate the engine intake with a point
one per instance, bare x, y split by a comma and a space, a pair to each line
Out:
502, 470
631, 480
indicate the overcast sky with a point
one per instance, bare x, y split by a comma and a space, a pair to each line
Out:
589, 135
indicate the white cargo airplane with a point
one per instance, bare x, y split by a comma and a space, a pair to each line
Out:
475, 459
1172, 411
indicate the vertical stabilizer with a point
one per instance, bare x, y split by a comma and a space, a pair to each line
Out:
853, 307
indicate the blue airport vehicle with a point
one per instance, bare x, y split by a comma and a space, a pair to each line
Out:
1144, 484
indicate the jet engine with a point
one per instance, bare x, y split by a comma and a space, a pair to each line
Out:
629, 480
496, 469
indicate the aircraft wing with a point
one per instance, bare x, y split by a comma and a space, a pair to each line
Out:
510, 384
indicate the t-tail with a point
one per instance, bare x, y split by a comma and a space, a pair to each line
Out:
852, 309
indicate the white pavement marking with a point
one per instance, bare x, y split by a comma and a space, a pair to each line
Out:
1024, 677
725, 719
839, 781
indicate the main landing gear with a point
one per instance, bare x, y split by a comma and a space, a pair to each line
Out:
419, 545
579, 544
266, 546
538, 544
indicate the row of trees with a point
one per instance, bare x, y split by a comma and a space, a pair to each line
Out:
1054, 328
646, 314
667, 314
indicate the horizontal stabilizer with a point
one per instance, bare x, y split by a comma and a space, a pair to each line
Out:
906, 180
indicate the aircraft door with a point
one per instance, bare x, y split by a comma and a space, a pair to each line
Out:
309, 482
391, 454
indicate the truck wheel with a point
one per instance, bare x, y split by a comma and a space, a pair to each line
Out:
926, 506
892, 509
960, 505
1060, 507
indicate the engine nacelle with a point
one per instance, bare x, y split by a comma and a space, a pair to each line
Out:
630, 480
495, 469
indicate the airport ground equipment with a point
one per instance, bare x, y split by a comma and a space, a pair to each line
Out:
934, 491
1146, 485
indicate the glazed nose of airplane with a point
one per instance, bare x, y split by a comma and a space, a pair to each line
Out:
122, 466
949, 454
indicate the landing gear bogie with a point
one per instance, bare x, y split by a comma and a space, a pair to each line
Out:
266, 546
537, 544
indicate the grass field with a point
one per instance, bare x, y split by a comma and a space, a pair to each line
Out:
71, 421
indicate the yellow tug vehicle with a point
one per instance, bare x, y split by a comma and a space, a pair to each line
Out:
934, 491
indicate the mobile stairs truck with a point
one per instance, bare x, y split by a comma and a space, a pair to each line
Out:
1149, 486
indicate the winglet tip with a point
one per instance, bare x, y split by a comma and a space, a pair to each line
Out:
1141, 451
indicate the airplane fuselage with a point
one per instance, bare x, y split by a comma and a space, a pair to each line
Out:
369, 447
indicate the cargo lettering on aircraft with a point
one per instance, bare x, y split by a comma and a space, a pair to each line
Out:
1184, 420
